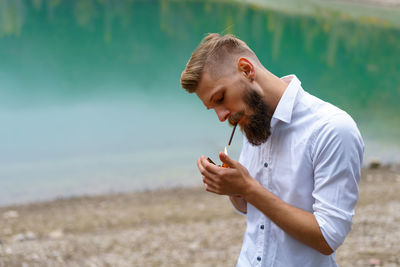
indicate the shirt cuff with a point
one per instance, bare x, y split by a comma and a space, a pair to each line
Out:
334, 228
234, 207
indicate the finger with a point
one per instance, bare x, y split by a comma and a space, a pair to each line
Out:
211, 189
200, 165
210, 181
209, 166
227, 160
203, 170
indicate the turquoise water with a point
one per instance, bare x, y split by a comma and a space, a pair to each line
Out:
90, 100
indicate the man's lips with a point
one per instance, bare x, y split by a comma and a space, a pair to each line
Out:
240, 122
236, 118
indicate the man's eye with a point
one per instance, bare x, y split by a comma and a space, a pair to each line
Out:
220, 100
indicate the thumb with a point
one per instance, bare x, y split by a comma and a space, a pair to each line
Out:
226, 159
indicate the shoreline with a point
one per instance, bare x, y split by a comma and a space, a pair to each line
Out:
178, 227
385, 13
372, 165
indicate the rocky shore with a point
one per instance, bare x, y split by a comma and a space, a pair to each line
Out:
179, 227
384, 13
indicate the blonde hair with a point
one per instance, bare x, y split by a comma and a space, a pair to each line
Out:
213, 50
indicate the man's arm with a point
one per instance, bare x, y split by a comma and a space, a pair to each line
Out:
240, 203
298, 223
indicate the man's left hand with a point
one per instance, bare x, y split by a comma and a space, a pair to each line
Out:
234, 180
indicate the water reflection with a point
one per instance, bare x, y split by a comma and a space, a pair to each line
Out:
89, 90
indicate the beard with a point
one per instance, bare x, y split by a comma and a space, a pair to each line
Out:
258, 126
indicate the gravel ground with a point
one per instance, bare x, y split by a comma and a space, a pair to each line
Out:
178, 227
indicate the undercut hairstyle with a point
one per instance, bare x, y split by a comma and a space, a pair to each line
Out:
216, 54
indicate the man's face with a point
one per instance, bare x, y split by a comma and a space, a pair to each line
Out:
234, 99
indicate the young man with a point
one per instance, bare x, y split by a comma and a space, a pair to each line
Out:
297, 176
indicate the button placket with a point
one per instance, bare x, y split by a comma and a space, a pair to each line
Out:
260, 244
263, 224
267, 163
268, 159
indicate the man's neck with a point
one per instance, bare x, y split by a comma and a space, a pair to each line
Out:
271, 86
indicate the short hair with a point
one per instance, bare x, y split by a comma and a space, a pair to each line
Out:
213, 50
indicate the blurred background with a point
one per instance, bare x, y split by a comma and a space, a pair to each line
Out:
90, 100
93, 118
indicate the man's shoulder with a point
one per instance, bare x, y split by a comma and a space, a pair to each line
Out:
327, 120
339, 130
339, 125
324, 113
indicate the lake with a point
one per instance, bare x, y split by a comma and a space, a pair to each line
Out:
90, 100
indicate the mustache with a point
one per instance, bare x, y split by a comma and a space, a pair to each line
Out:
235, 118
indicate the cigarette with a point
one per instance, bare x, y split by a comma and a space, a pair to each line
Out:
233, 131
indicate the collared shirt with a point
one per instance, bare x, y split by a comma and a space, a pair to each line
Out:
312, 161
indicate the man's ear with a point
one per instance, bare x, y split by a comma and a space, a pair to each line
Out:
246, 68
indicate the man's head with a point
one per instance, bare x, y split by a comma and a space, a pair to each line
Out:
222, 72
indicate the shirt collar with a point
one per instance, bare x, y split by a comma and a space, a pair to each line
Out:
284, 109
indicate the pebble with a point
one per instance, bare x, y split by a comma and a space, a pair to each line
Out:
201, 206
56, 234
194, 246
7, 231
18, 237
11, 214
29, 235
35, 256
375, 164
8, 251
374, 262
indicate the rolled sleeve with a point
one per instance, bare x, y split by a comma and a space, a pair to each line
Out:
337, 155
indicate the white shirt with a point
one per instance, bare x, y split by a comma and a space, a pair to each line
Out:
312, 161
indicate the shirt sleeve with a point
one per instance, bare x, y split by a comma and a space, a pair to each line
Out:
337, 155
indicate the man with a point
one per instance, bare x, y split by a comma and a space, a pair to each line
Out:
297, 176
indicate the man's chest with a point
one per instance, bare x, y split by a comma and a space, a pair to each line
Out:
283, 165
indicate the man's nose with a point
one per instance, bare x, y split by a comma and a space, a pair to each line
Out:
222, 114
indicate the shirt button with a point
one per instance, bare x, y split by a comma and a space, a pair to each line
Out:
262, 226
265, 165
259, 258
